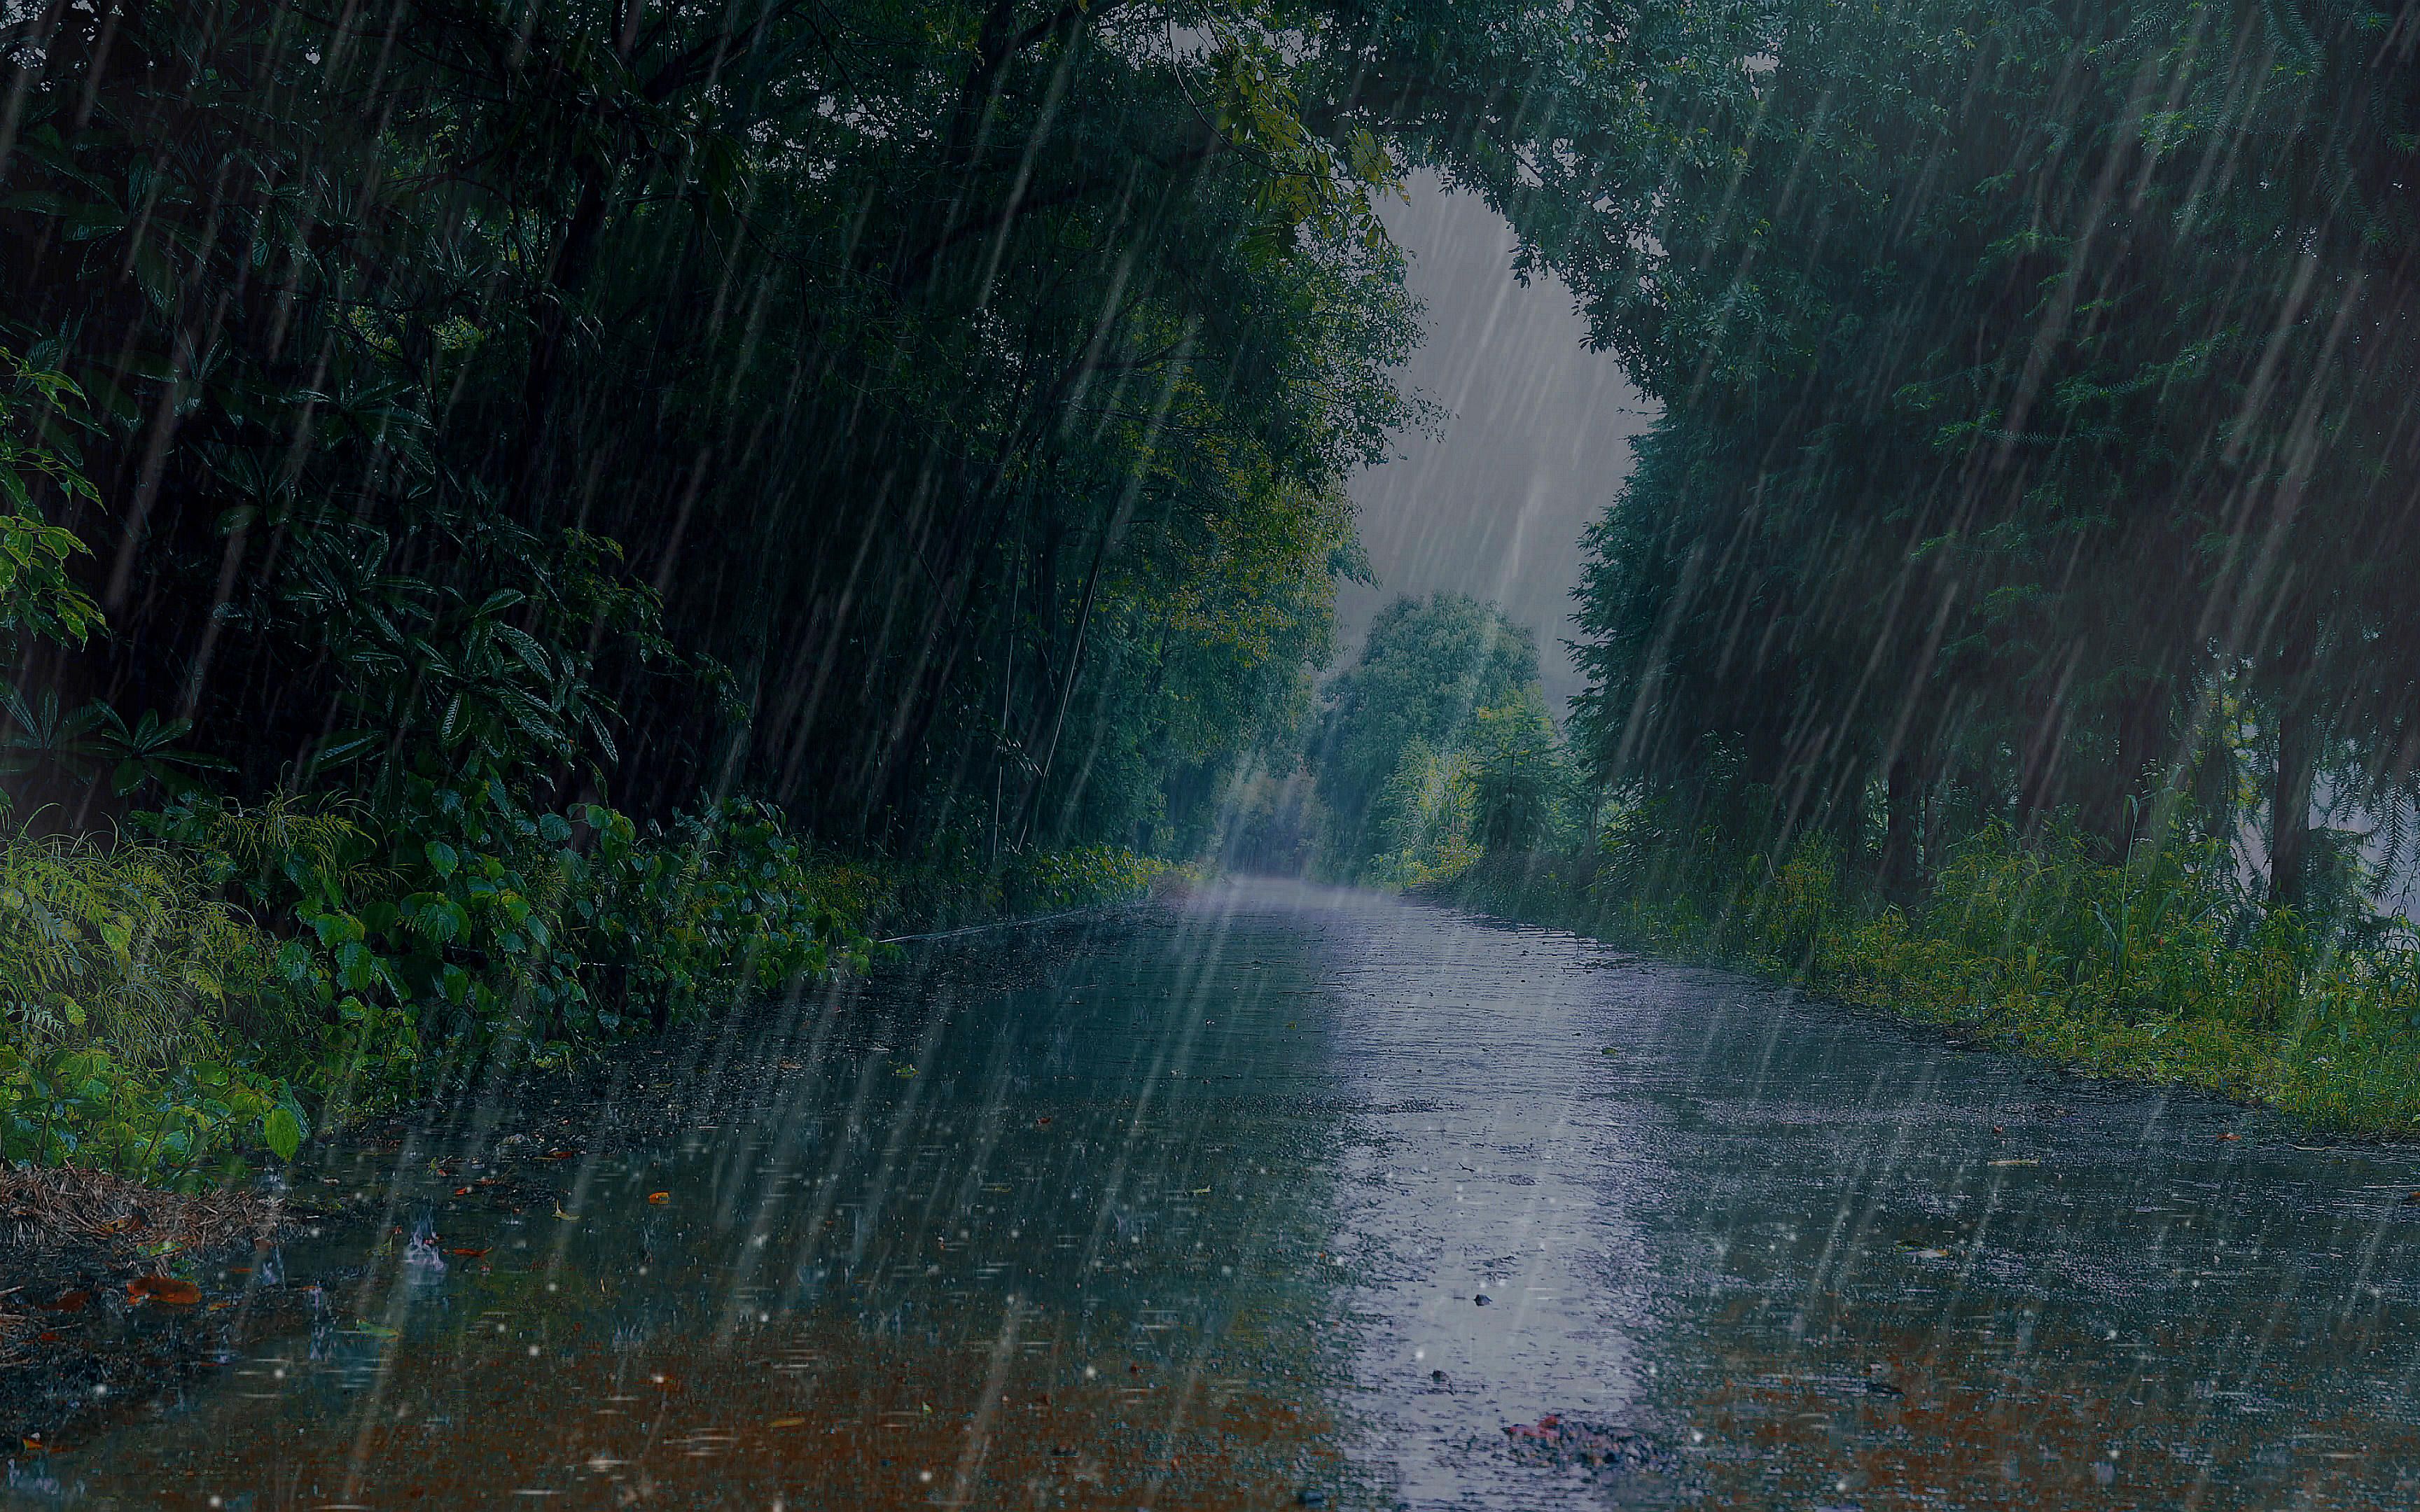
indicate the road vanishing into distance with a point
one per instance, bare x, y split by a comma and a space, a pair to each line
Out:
1282, 1197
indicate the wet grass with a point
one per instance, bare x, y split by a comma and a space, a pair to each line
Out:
2149, 971
184, 1010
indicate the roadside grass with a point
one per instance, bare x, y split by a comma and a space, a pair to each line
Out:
2160, 969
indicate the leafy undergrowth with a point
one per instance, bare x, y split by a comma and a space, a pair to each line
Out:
2160, 969
959, 890
221, 980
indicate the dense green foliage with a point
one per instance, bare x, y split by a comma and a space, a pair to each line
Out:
496, 499
971, 389
159, 1028
2038, 429
450, 453
1436, 744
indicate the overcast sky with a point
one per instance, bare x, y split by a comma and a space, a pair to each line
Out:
1535, 441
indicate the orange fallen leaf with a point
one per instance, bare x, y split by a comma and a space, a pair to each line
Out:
561, 1154
467, 1254
660, 1199
461, 1190
165, 1290
2225, 1138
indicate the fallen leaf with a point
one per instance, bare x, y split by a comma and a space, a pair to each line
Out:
461, 1190
787, 1422
165, 1290
567, 1217
467, 1254
69, 1301
2230, 1138
1043, 1121
47, 1336
660, 1199
561, 1154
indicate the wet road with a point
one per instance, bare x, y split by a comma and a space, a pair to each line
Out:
1204, 1220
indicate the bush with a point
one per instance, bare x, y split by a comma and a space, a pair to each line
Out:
175, 999
954, 884
2160, 966
1050, 881
724, 905
137, 1003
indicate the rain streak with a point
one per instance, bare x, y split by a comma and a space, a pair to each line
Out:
795, 754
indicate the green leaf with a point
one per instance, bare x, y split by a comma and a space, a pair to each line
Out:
283, 1132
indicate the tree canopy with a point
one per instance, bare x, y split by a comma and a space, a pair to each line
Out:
936, 418
1441, 684
2038, 390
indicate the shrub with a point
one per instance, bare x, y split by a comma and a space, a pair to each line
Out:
723, 904
175, 998
137, 1004
2161, 965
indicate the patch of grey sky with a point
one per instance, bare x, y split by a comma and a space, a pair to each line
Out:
1534, 442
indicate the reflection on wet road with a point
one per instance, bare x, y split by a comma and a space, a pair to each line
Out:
1288, 1197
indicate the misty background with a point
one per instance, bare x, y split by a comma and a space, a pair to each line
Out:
1533, 441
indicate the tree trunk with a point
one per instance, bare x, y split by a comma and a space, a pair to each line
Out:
2289, 805
565, 278
1033, 805
1900, 861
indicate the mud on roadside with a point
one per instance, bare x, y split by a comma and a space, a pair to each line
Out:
97, 1293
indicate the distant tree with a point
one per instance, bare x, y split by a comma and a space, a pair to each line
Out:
1520, 785
1412, 698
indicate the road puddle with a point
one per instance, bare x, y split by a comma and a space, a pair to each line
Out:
1292, 1198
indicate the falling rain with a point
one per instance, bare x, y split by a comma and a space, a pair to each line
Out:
1135, 754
